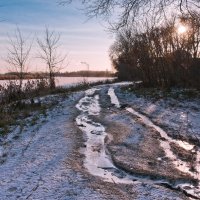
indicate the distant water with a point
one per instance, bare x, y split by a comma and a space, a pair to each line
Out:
70, 81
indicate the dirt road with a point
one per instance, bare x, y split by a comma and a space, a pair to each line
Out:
54, 159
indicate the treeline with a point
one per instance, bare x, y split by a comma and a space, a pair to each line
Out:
41, 75
87, 74
15, 76
160, 56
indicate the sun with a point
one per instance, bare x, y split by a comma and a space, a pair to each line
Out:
181, 29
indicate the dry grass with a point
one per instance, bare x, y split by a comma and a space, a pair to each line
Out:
14, 108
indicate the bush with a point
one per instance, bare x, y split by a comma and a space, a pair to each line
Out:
11, 91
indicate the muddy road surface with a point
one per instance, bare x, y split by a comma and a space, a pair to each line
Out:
95, 145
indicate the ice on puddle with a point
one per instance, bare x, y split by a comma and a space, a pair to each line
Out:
113, 97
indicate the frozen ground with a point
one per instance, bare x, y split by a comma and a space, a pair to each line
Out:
99, 144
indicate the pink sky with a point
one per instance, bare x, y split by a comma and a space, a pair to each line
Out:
82, 41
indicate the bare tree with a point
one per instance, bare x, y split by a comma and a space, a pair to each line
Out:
49, 53
126, 11
18, 54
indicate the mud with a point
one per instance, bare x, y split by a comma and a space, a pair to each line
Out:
49, 161
128, 154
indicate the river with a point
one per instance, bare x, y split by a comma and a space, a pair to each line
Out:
70, 81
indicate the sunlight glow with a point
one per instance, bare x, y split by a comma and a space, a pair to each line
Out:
181, 29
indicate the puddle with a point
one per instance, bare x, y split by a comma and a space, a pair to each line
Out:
113, 98
97, 159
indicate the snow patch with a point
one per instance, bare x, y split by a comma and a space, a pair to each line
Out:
89, 104
91, 91
113, 97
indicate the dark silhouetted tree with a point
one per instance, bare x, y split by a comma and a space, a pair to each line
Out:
126, 11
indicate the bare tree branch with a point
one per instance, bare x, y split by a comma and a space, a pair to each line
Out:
49, 53
124, 12
18, 54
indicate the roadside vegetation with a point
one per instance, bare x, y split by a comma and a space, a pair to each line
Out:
21, 99
40, 75
17, 105
156, 93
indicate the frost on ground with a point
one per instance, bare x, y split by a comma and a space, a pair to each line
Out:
113, 98
100, 162
90, 147
43, 162
181, 151
96, 160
